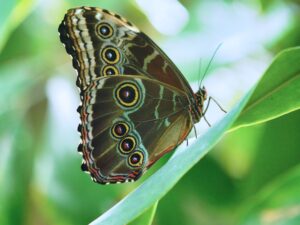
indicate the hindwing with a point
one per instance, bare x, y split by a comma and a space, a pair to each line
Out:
128, 122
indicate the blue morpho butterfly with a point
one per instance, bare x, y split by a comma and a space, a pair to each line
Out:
136, 104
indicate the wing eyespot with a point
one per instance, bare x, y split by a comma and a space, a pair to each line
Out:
110, 55
136, 159
120, 129
127, 94
109, 70
104, 30
127, 145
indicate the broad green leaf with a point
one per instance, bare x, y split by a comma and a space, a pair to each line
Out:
147, 217
153, 189
278, 203
277, 92
166, 177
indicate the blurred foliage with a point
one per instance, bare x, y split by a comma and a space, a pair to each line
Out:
250, 177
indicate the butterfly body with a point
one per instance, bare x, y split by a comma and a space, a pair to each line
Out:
136, 105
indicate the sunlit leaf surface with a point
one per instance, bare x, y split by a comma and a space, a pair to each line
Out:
277, 93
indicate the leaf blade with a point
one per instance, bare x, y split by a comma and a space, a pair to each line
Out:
277, 93
147, 217
167, 176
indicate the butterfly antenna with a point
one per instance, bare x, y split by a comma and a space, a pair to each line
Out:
199, 72
210, 61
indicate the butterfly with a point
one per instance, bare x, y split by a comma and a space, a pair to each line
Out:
135, 104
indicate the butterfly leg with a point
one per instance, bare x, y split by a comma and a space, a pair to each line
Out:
205, 110
187, 142
217, 103
195, 131
206, 121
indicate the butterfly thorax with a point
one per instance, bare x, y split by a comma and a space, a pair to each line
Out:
197, 104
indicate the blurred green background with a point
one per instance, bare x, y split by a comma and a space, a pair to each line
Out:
251, 177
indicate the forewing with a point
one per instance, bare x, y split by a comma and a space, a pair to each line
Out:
103, 43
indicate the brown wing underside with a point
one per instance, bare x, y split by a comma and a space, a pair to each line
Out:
159, 122
102, 44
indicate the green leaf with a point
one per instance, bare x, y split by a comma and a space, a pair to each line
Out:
167, 176
275, 151
278, 203
281, 79
277, 93
147, 217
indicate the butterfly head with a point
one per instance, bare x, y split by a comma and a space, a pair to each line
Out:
197, 108
201, 96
